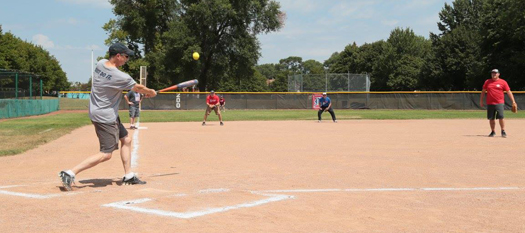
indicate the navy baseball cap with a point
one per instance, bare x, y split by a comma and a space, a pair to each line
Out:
120, 48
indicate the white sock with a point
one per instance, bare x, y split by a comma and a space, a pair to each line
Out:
71, 173
129, 176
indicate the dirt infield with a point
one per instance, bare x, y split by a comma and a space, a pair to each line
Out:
285, 176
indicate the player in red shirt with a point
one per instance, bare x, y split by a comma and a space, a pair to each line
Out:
213, 104
496, 100
222, 104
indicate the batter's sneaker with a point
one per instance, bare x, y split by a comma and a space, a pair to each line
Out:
67, 180
492, 134
132, 181
503, 134
222, 123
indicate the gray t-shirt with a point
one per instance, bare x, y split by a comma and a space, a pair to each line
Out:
106, 92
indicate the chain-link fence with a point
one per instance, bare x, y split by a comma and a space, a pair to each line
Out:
328, 82
16, 84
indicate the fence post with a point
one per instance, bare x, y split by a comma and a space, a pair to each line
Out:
41, 89
30, 87
326, 82
348, 79
16, 85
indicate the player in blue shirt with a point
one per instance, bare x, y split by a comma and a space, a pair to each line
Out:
326, 105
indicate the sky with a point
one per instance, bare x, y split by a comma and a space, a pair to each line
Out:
71, 30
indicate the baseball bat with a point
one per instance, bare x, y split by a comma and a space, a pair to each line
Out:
181, 85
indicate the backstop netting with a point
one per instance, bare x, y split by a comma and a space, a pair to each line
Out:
329, 83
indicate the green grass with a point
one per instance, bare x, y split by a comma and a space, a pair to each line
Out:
73, 104
20, 135
272, 115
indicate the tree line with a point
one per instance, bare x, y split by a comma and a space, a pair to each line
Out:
18, 55
474, 37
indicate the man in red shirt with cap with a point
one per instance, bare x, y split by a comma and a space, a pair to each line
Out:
213, 105
494, 88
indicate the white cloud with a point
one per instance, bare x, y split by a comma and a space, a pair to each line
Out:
43, 41
94, 3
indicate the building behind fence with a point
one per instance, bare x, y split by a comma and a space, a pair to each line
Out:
329, 82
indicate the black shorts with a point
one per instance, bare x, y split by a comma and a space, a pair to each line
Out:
495, 111
134, 111
109, 134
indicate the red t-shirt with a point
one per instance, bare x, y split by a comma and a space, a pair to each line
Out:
495, 91
222, 101
212, 99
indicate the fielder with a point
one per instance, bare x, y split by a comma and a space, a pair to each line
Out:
496, 101
213, 104
326, 105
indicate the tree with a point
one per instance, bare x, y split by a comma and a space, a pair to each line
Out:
222, 31
407, 59
503, 32
457, 62
16, 54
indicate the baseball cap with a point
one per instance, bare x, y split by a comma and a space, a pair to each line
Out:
495, 71
324, 93
120, 48
212, 91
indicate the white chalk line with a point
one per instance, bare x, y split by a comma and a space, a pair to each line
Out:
192, 214
128, 205
135, 151
32, 195
389, 190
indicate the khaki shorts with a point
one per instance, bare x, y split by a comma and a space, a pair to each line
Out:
109, 135
216, 109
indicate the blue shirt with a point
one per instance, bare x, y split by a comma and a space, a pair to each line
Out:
324, 101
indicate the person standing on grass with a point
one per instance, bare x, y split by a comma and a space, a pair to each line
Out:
133, 99
212, 102
325, 104
107, 86
494, 88
222, 103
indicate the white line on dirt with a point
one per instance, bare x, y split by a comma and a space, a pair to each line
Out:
390, 190
186, 215
134, 152
35, 196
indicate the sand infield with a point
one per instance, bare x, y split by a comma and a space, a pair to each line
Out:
279, 176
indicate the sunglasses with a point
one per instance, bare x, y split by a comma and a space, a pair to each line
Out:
125, 55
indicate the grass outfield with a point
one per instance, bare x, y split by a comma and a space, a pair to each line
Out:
22, 134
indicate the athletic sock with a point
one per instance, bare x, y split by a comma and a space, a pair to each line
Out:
129, 176
71, 173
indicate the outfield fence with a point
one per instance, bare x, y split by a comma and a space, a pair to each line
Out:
452, 100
